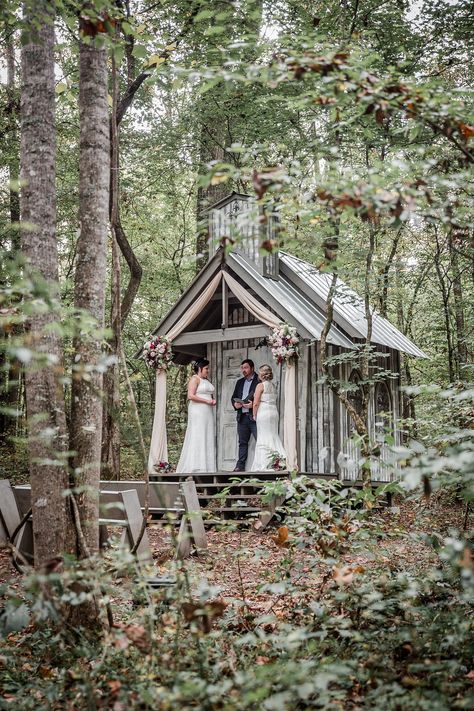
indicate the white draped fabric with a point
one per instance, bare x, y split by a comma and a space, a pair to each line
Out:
289, 417
250, 302
159, 441
159, 446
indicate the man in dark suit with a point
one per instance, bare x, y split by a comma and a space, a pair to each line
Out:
242, 402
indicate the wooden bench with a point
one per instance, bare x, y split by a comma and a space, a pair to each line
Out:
122, 505
178, 499
122, 508
165, 497
11, 515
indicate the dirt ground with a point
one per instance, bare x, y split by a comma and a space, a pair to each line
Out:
237, 562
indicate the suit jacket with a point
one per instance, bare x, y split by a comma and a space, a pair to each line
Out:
239, 391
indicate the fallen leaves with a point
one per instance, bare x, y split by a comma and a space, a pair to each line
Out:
281, 539
344, 575
466, 130
203, 613
467, 560
133, 634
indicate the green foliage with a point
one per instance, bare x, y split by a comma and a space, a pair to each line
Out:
376, 636
353, 118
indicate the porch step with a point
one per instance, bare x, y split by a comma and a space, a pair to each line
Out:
219, 477
237, 497
209, 485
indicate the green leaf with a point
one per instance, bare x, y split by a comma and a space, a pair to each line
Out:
139, 51
119, 53
204, 15
216, 30
128, 28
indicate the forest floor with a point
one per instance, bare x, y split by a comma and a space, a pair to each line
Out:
262, 584
238, 562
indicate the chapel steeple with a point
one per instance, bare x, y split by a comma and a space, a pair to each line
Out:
238, 218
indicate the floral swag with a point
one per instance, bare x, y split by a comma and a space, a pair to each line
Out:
157, 353
283, 341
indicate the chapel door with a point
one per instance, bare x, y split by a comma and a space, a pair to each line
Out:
227, 439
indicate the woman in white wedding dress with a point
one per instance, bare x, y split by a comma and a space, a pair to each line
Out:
266, 415
199, 447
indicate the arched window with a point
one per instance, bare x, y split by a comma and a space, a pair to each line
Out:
383, 408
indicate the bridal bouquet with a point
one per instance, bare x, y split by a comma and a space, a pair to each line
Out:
163, 468
284, 343
157, 352
277, 462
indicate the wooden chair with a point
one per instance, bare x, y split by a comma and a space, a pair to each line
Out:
122, 508
177, 498
10, 517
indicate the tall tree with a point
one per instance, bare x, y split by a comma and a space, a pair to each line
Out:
47, 435
10, 373
91, 268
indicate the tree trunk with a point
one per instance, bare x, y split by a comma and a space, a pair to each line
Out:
111, 407
408, 409
211, 148
447, 316
216, 114
384, 278
10, 371
13, 164
47, 436
111, 412
90, 278
461, 337
362, 358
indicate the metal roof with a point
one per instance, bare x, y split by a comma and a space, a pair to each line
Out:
288, 302
349, 308
299, 296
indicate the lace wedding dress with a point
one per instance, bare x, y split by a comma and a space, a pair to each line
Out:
199, 448
268, 440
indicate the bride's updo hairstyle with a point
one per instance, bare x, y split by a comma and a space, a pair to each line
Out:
265, 373
199, 364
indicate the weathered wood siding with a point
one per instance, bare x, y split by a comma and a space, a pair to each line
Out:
323, 425
322, 418
350, 453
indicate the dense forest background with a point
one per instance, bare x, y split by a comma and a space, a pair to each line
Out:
351, 121
211, 102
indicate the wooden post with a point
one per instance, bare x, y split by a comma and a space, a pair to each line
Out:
225, 310
193, 511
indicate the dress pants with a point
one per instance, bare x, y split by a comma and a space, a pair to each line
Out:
246, 427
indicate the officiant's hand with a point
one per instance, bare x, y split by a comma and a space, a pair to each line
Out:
248, 404
238, 405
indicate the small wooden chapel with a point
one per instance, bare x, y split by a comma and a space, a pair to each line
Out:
242, 288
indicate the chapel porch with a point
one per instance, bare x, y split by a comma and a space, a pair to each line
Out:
225, 497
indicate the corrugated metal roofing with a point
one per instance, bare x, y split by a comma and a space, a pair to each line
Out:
349, 309
302, 313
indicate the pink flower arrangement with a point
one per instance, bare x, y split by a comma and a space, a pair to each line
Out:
163, 467
277, 462
157, 352
284, 343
